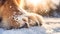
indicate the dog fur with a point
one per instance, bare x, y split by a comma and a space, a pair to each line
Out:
13, 16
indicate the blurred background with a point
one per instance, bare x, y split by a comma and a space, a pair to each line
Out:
47, 8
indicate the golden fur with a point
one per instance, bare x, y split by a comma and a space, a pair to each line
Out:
13, 16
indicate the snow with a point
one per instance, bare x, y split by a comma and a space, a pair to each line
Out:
47, 28
32, 30
53, 26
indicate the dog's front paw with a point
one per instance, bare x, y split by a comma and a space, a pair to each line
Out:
29, 20
34, 20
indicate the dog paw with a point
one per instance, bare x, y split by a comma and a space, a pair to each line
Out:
29, 20
34, 20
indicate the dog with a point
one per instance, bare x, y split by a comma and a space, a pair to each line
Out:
13, 16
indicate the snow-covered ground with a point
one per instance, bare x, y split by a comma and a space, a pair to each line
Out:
32, 30
52, 26
49, 28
